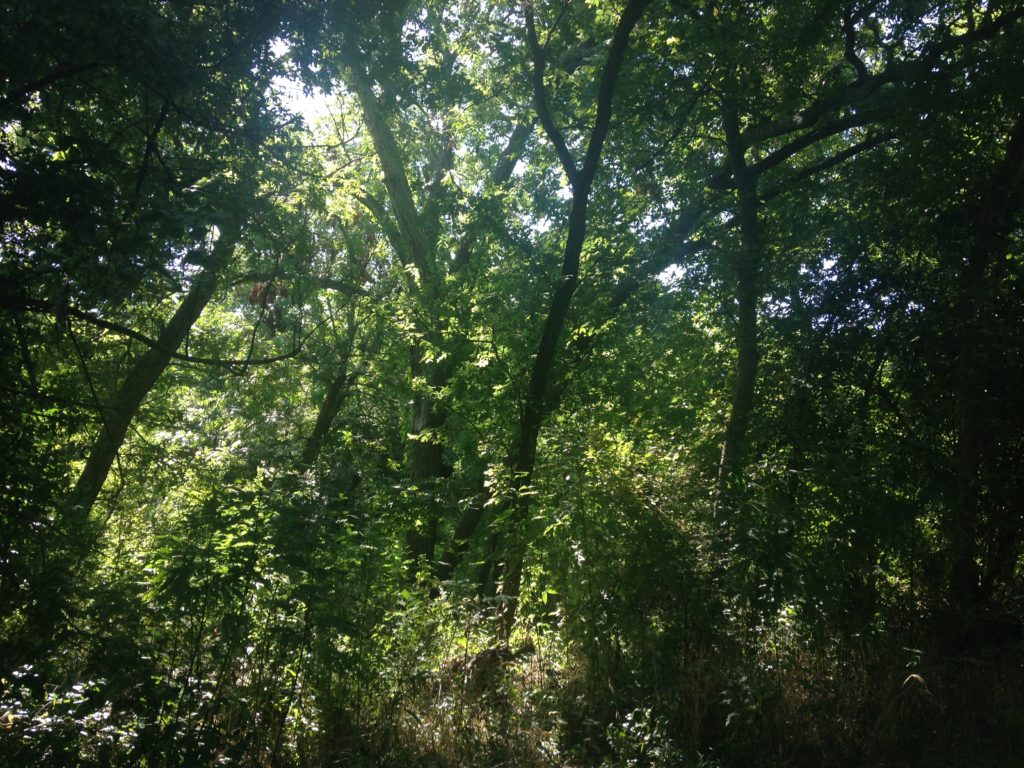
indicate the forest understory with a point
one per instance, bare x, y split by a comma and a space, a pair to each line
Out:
611, 383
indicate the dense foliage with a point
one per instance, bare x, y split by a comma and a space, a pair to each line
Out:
595, 382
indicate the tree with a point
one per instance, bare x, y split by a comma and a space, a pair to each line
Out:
166, 140
604, 383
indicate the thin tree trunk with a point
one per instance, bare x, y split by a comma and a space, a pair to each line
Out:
466, 526
964, 573
117, 417
332, 403
581, 179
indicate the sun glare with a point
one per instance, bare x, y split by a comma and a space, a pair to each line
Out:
310, 103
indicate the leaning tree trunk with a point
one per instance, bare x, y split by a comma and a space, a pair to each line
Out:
117, 417
333, 402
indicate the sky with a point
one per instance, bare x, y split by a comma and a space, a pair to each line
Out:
311, 104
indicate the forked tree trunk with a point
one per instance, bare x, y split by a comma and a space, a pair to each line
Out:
414, 239
581, 179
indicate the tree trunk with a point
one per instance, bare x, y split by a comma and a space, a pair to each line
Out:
524, 454
426, 454
332, 403
964, 573
117, 417
991, 223
747, 268
415, 247
415, 250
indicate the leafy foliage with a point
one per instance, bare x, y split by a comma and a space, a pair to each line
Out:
612, 384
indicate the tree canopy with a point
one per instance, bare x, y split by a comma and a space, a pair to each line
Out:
590, 382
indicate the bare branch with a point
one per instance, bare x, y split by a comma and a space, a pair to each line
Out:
34, 305
828, 162
606, 90
540, 99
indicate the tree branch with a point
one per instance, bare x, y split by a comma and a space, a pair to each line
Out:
540, 99
825, 164
606, 90
395, 179
34, 305
500, 175
54, 76
863, 87
810, 138
386, 223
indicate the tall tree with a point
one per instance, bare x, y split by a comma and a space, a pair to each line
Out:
581, 177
